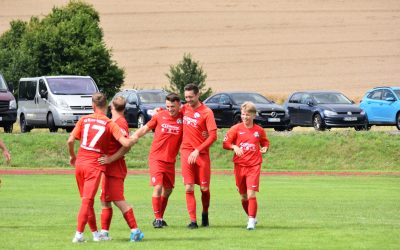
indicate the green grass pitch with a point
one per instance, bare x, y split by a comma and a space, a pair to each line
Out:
308, 212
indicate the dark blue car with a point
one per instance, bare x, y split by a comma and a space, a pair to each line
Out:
140, 105
324, 110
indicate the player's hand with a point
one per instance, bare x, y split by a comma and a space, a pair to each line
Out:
72, 160
104, 160
7, 156
134, 139
193, 157
238, 151
264, 150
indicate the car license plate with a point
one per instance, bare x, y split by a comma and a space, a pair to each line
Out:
274, 119
1, 118
351, 118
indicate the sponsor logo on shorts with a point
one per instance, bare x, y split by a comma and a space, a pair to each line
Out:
254, 186
204, 182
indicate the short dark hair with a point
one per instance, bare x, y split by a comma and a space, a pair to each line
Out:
119, 103
173, 97
99, 99
192, 87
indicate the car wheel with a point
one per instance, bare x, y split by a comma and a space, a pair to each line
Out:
140, 121
22, 124
289, 128
51, 124
318, 123
398, 121
8, 128
69, 129
237, 119
280, 129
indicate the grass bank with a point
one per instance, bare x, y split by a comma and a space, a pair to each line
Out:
343, 150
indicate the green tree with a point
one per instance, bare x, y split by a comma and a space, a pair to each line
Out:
68, 41
185, 72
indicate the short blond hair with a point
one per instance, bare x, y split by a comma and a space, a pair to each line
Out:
119, 103
249, 107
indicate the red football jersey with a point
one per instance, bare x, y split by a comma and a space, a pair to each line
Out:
249, 140
94, 132
167, 136
118, 167
195, 123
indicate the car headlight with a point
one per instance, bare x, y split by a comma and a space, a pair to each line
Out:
13, 104
329, 113
62, 104
151, 112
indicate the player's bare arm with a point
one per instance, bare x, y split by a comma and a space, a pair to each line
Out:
264, 150
71, 150
6, 153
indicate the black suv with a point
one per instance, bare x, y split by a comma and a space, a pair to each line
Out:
140, 105
8, 106
226, 109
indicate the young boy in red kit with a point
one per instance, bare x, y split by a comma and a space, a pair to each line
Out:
248, 141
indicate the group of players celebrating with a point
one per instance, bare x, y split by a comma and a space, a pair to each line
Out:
189, 128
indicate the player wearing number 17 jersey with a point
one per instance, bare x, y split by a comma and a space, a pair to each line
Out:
245, 140
94, 132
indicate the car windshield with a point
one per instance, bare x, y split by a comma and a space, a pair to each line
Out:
240, 98
397, 91
3, 85
72, 86
152, 97
331, 98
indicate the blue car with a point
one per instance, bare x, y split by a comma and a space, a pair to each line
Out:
382, 106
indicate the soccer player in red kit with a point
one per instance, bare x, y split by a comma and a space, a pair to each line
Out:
112, 188
199, 133
94, 132
245, 140
167, 125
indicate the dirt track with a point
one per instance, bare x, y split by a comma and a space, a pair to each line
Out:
273, 47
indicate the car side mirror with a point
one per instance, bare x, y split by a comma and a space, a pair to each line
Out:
310, 103
133, 103
352, 101
390, 99
43, 94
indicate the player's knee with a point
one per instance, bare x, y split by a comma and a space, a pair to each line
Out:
189, 188
204, 189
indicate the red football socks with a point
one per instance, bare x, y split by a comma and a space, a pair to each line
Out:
106, 216
191, 205
252, 207
164, 202
156, 201
83, 214
205, 200
130, 219
245, 205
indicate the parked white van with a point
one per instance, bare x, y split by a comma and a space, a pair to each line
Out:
54, 101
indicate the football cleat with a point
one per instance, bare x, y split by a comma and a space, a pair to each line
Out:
193, 225
104, 236
136, 235
204, 220
78, 240
158, 224
251, 225
164, 223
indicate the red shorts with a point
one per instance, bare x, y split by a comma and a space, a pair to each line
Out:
88, 180
247, 178
162, 173
112, 189
198, 173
